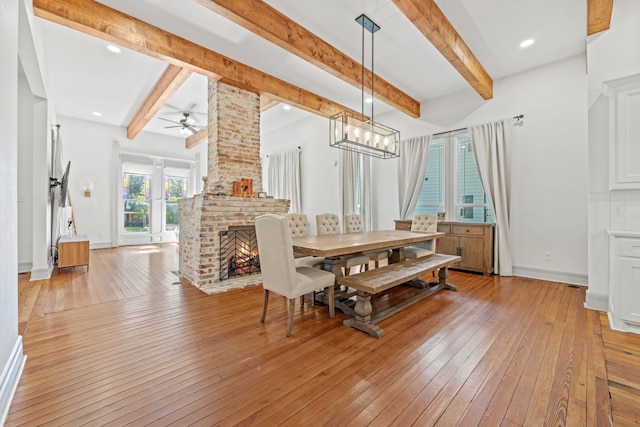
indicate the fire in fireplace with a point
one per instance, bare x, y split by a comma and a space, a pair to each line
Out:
238, 252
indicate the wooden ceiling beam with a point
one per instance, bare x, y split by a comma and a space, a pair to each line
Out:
267, 22
100, 21
598, 15
168, 84
196, 139
434, 25
266, 103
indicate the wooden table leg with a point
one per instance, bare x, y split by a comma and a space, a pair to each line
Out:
334, 264
332, 306
397, 255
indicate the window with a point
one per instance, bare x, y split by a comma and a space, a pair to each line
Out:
136, 196
149, 190
431, 199
175, 188
452, 183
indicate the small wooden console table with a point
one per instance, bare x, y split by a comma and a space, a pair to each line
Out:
73, 251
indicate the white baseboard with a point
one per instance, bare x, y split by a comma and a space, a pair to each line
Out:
41, 273
551, 275
9, 380
599, 302
100, 245
25, 267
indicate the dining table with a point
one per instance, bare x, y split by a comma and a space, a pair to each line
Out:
333, 246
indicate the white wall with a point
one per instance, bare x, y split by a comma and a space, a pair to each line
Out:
11, 355
611, 54
318, 163
89, 146
549, 165
549, 200
25, 177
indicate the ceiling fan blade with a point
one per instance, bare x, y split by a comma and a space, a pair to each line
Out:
192, 130
169, 127
167, 120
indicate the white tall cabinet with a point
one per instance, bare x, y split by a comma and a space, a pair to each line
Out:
624, 281
623, 227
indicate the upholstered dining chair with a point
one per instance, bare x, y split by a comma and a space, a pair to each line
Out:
353, 224
299, 227
423, 223
279, 272
330, 224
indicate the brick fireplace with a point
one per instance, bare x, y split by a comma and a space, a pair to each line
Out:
233, 154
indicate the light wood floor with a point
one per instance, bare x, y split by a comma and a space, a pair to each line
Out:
124, 344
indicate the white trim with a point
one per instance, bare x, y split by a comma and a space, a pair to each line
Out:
25, 267
626, 325
598, 302
100, 245
42, 273
551, 275
632, 234
11, 374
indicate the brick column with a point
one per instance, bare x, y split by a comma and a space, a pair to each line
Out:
234, 138
233, 154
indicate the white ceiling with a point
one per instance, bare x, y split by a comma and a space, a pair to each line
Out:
83, 76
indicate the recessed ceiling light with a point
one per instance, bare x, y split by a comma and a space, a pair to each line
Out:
286, 107
97, 114
112, 48
526, 43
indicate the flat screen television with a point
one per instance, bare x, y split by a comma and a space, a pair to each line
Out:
64, 185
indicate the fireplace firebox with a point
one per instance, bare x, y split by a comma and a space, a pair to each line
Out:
238, 252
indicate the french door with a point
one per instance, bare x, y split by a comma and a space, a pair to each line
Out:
149, 190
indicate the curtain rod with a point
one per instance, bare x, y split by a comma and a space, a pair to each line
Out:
299, 149
517, 118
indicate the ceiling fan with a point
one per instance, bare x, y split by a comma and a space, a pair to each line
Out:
187, 125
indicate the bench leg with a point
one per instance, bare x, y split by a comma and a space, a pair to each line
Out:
443, 276
362, 318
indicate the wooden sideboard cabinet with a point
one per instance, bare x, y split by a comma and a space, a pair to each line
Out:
73, 251
473, 242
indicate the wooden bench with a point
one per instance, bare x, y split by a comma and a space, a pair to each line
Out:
381, 279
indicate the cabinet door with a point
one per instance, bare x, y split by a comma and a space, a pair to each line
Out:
447, 245
628, 270
472, 253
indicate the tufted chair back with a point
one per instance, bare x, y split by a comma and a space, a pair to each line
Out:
279, 271
276, 255
298, 224
425, 223
328, 224
353, 223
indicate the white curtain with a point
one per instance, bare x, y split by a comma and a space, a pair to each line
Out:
491, 146
366, 195
356, 189
283, 178
412, 168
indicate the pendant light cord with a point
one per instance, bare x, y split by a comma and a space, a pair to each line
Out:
362, 73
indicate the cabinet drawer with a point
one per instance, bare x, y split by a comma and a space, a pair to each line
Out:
403, 224
469, 231
629, 247
444, 228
